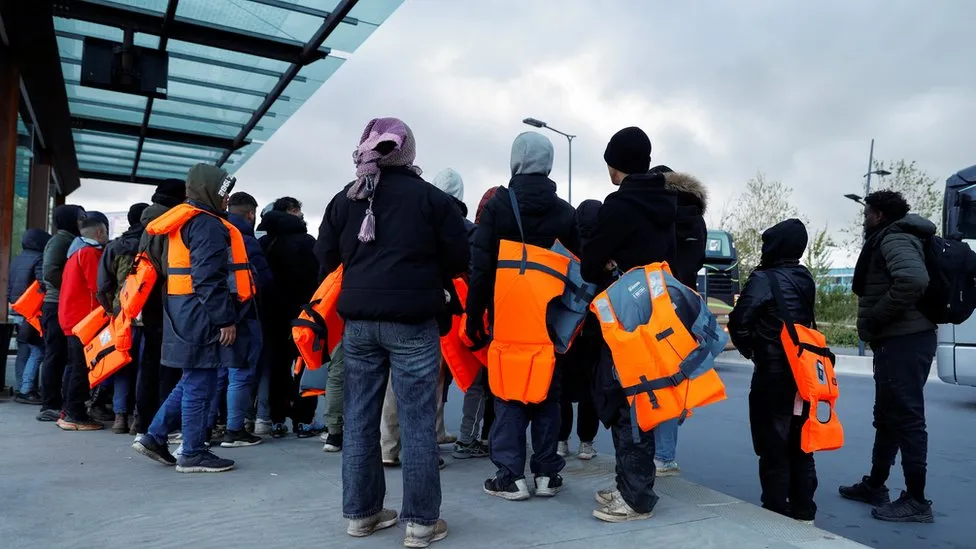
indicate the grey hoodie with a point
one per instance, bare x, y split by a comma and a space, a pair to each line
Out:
207, 185
531, 154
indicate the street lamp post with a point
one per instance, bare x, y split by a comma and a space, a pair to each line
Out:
536, 123
859, 200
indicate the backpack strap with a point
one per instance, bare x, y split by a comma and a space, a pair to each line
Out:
518, 221
790, 324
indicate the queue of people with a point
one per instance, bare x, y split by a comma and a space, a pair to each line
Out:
213, 355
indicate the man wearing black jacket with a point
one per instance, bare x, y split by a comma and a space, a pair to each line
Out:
787, 474
635, 227
545, 218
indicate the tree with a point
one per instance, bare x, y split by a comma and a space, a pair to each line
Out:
818, 258
915, 184
763, 204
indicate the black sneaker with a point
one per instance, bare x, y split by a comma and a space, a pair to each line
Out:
279, 430
49, 414
514, 490
239, 439
68, 423
32, 399
100, 414
333, 443
547, 486
306, 430
466, 451
204, 462
147, 446
865, 493
905, 509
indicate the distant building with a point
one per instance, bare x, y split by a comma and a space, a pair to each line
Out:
118, 223
840, 279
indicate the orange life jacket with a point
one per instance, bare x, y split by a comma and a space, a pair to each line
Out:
540, 302
178, 278
103, 354
463, 363
812, 364
318, 329
138, 285
28, 305
664, 341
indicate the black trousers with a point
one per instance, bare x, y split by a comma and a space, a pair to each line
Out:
154, 383
507, 438
55, 359
284, 388
901, 368
488, 419
787, 474
77, 390
587, 423
635, 467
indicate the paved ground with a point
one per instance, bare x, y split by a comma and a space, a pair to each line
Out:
715, 450
84, 490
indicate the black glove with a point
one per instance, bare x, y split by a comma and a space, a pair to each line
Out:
476, 332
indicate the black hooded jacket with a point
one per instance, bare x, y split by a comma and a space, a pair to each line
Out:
755, 323
288, 249
635, 227
28, 265
117, 259
56, 250
689, 228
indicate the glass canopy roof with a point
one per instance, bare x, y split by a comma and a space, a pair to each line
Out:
226, 59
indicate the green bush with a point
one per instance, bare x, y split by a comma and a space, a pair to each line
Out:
839, 335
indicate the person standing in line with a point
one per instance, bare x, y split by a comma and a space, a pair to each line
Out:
76, 301
113, 268
580, 362
635, 227
544, 219
204, 295
289, 250
787, 474
691, 235
67, 220
889, 278
398, 239
26, 268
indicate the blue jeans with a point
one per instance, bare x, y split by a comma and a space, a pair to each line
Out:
187, 408
239, 381
666, 440
414, 357
125, 379
28, 371
261, 406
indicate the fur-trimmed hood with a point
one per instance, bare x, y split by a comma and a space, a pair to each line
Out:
691, 191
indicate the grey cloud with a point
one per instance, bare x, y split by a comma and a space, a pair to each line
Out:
795, 89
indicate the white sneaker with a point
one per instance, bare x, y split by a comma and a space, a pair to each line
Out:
262, 427
179, 451
360, 528
605, 496
562, 448
618, 511
667, 469
548, 486
324, 437
586, 451
422, 536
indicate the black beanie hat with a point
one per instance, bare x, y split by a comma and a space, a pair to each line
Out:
629, 151
135, 213
661, 169
170, 193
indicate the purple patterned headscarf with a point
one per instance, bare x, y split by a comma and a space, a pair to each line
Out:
385, 142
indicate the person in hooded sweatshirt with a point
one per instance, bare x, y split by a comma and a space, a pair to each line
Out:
580, 361
26, 268
237, 385
289, 250
691, 236
67, 221
199, 329
635, 227
398, 239
113, 268
545, 218
889, 279
153, 383
787, 474
77, 299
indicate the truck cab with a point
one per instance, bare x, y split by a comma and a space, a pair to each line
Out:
718, 280
956, 353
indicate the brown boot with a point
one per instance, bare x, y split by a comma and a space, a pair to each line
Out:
121, 425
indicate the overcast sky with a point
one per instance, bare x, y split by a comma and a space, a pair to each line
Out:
724, 89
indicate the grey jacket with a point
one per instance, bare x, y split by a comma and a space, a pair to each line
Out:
892, 280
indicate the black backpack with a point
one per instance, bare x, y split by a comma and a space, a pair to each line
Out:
951, 294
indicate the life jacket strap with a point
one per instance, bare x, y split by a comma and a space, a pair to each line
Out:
316, 325
101, 354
